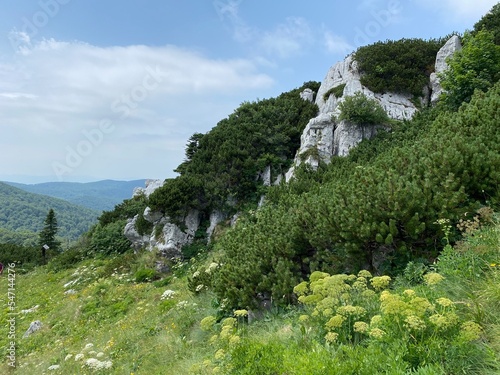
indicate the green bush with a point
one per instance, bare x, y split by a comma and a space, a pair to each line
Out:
361, 110
402, 66
222, 164
377, 209
490, 22
475, 67
24, 256
338, 91
145, 275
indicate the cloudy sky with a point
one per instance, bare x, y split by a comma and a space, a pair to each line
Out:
93, 89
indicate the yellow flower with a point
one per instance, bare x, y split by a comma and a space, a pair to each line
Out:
361, 327
327, 312
331, 337
301, 289
234, 340
303, 318
376, 333
380, 282
335, 322
240, 313
364, 273
409, 292
368, 293
207, 323
433, 278
414, 323
376, 320
470, 331
229, 322
445, 302
220, 354
351, 310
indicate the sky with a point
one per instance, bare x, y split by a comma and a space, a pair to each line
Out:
93, 90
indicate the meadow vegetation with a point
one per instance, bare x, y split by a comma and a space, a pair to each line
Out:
386, 261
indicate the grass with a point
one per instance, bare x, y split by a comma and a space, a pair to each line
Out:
137, 328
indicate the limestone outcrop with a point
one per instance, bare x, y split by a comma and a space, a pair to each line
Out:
325, 137
451, 46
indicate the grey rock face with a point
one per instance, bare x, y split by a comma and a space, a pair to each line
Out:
151, 186
34, 326
451, 46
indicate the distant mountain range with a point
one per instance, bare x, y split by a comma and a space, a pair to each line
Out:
99, 196
22, 215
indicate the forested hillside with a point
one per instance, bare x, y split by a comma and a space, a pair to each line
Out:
384, 261
22, 215
99, 196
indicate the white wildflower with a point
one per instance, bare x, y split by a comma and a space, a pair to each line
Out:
167, 294
33, 309
211, 267
53, 367
95, 364
200, 287
79, 356
69, 356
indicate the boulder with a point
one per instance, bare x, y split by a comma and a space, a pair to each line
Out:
150, 187
138, 241
307, 95
216, 217
34, 326
152, 216
451, 46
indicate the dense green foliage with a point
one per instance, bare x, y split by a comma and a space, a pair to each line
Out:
490, 22
402, 66
221, 166
47, 236
444, 323
337, 91
361, 110
475, 67
98, 196
21, 211
364, 324
377, 208
23, 256
106, 237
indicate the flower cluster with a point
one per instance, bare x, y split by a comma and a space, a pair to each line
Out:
167, 294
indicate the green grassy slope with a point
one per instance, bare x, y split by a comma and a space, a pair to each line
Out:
161, 328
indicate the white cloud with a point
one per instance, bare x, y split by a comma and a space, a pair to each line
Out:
337, 44
465, 10
52, 92
288, 39
228, 11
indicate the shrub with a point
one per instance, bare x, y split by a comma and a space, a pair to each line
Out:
145, 275
402, 66
361, 110
475, 67
338, 91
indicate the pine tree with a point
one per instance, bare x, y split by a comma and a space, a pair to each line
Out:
47, 237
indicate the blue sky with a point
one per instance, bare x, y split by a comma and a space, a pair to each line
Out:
93, 89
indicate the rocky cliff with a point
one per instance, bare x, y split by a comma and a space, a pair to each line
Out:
322, 138
325, 137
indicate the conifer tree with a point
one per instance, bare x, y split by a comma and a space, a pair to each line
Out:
47, 237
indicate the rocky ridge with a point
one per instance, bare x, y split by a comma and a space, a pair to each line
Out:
322, 138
